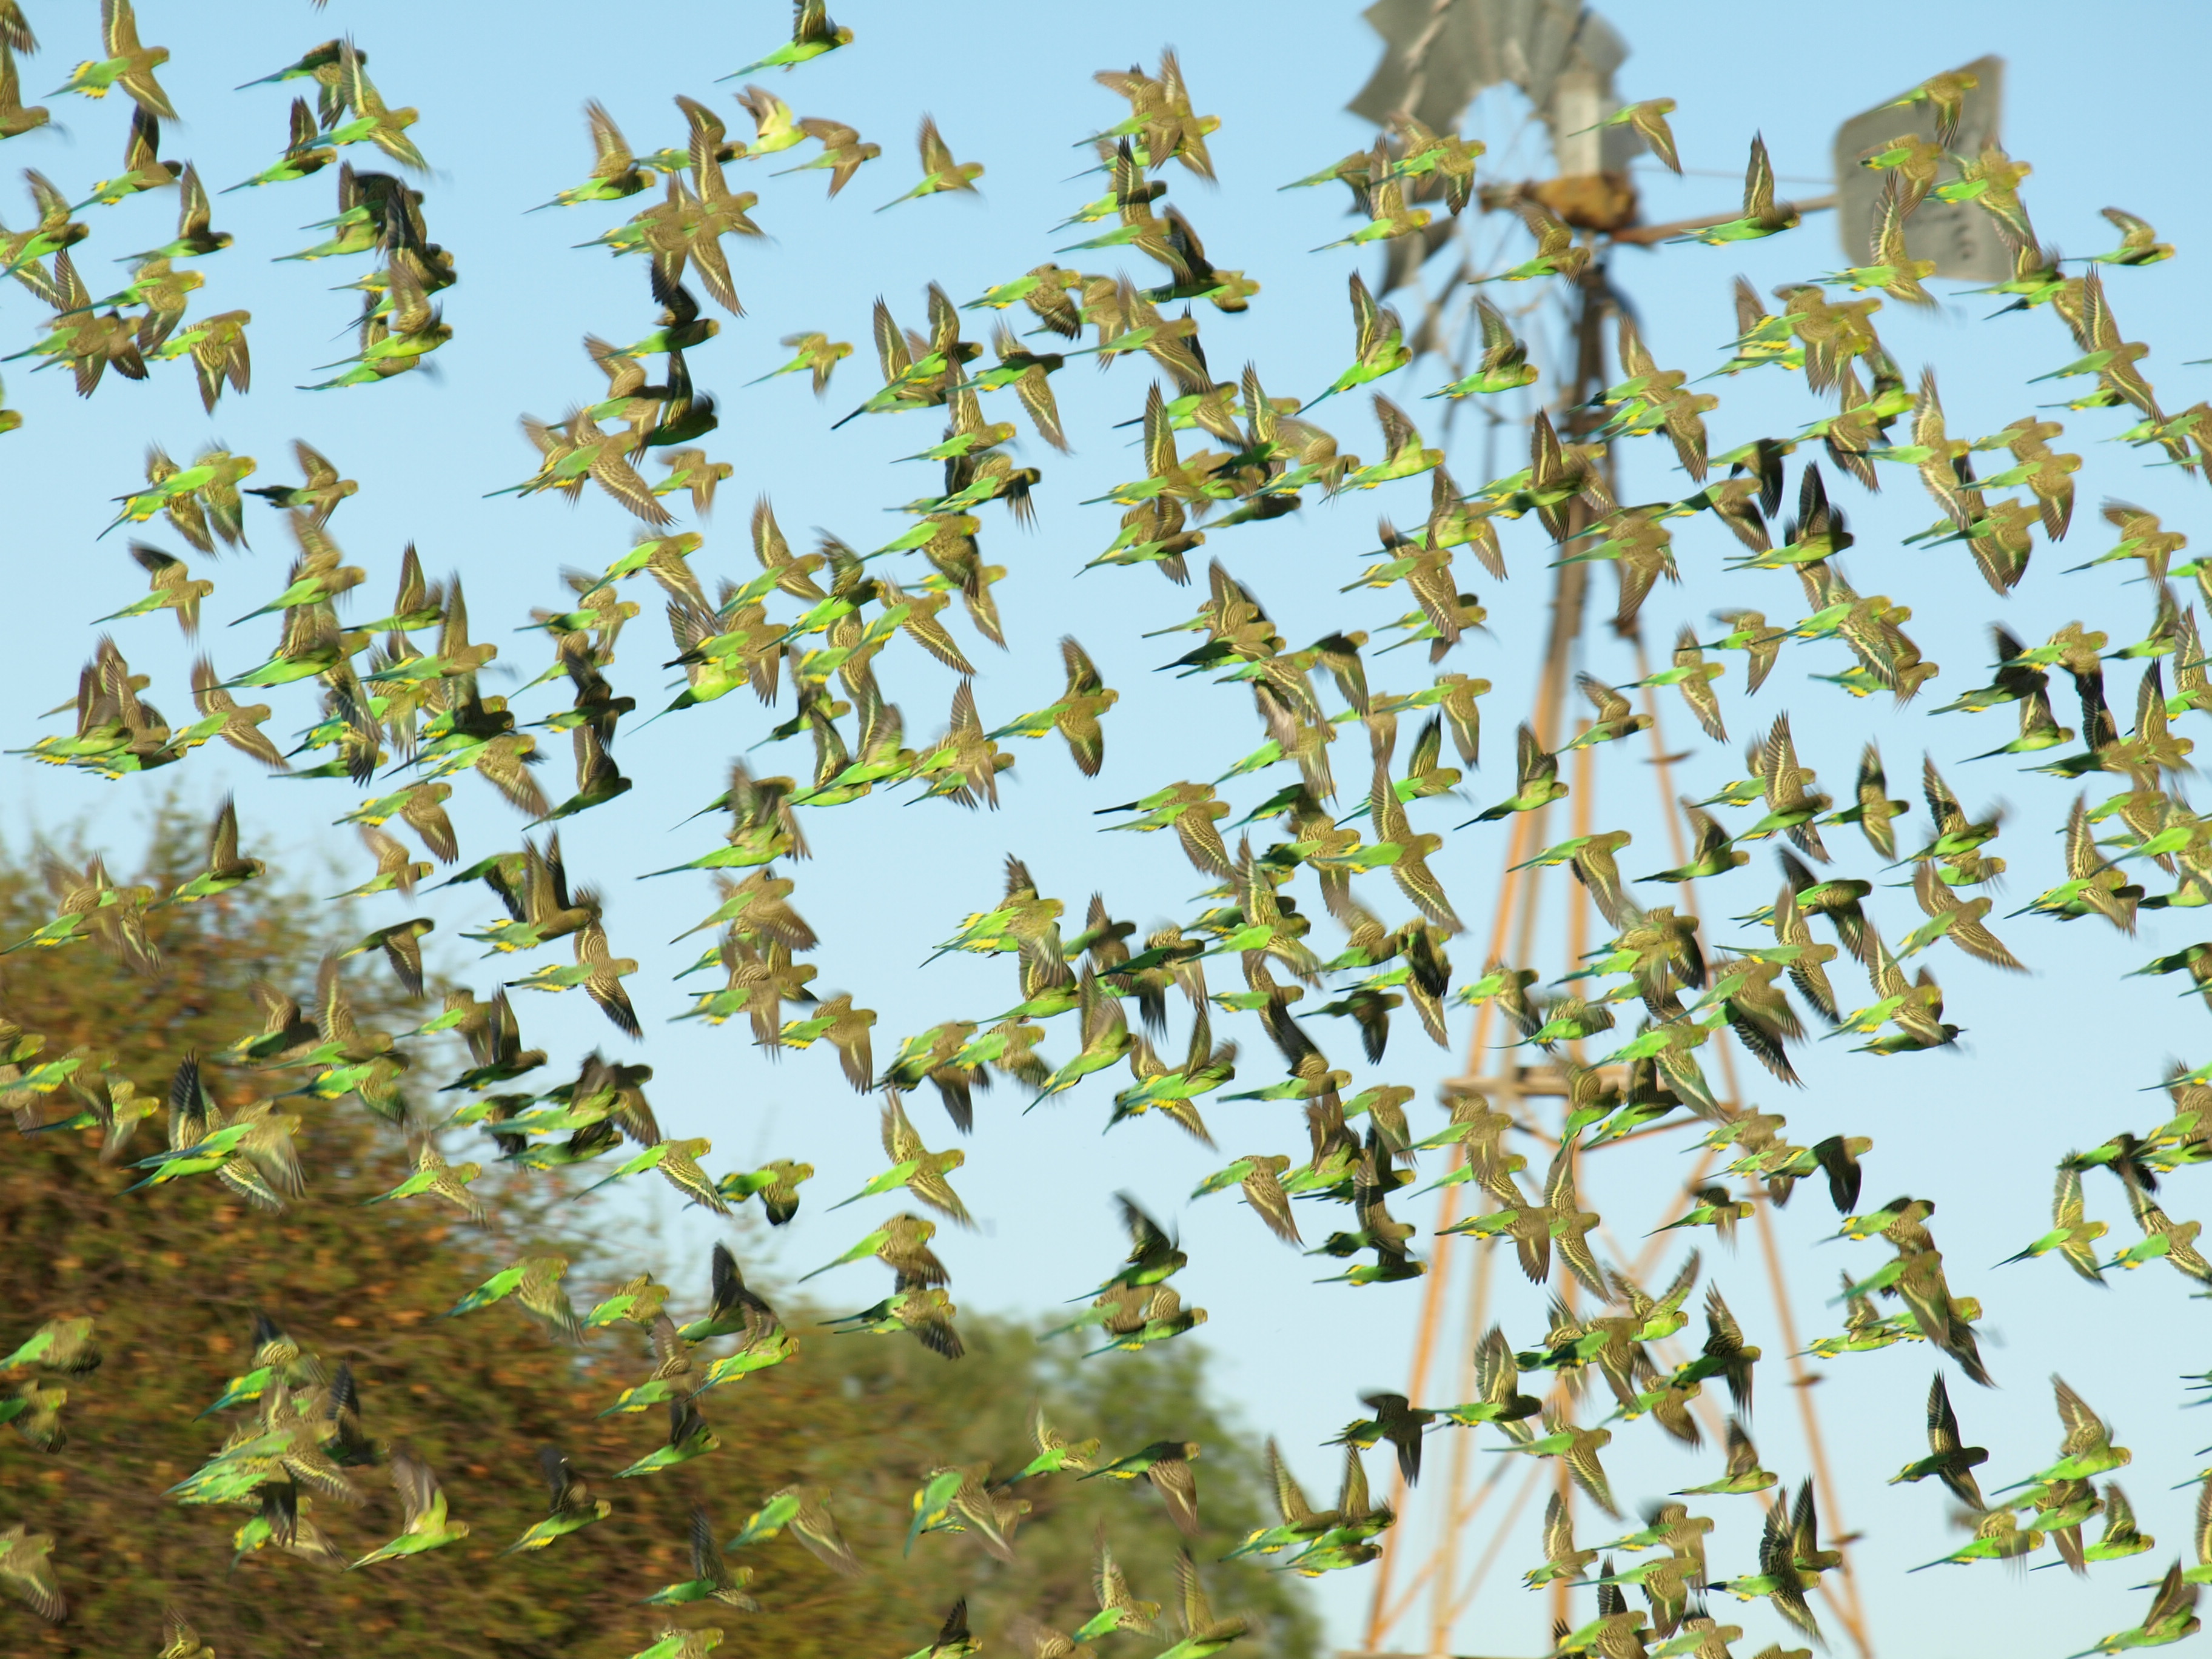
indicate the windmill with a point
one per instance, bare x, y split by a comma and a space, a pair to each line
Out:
1438, 56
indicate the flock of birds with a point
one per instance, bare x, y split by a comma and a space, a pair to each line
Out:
409, 724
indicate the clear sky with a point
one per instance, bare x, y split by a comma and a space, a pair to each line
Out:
2050, 1061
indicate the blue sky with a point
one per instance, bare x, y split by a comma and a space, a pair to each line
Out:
2050, 1061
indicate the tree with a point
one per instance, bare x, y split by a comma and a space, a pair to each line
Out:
174, 1276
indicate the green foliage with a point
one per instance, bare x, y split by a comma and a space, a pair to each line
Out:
868, 1416
174, 1274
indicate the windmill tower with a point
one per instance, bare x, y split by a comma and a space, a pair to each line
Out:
1562, 56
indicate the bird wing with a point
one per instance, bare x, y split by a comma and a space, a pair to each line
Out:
1146, 1237
1177, 1484
1196, 1613
2068, 1208
891, 349
1724, 1336
1777, 766
2175, 1597
1263, 1191
1777, 1564
1610, 706
1366, 321
1559, 1530
1529, 760
1589, 1473
222, 841
936, 154
1743, 1455
23, 1562
1758, 182
1935, 895
2119, 1514
1559, 1183
1942, 805
1805, 1522
1290, 1502
1034, 392
2083, 1426
817, 1529
833, 135
1887, 978
423, 1502
2083, 861
706, 1553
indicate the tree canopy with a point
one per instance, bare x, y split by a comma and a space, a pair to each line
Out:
174, 1279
